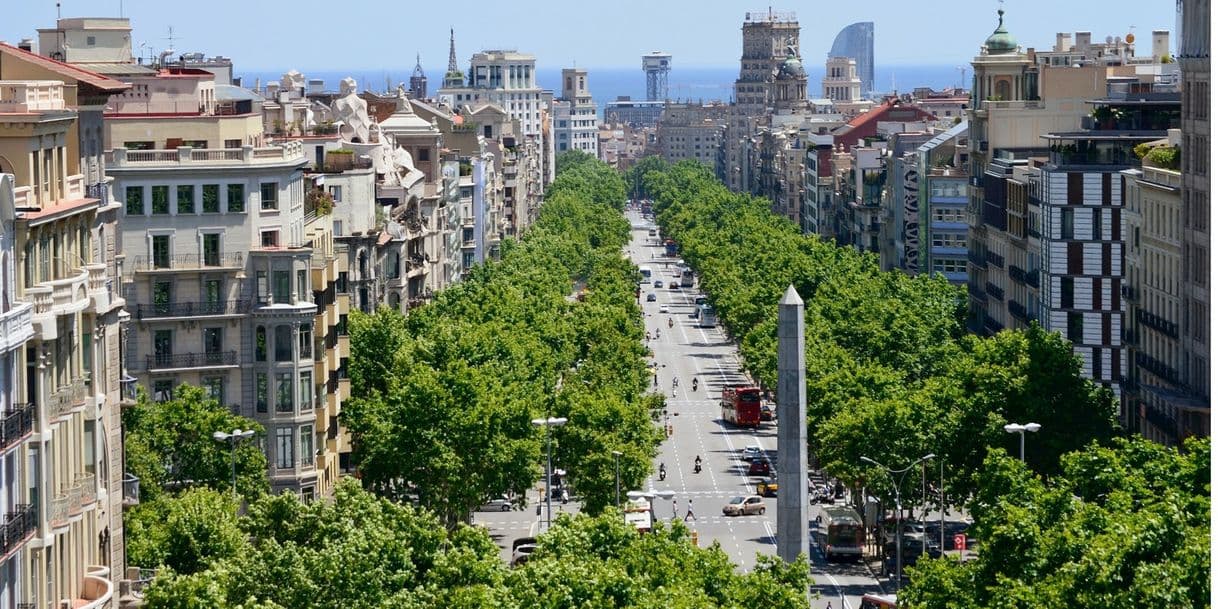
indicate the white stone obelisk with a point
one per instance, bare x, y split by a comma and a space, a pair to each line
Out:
792, 430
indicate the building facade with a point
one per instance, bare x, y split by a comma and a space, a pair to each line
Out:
575, 114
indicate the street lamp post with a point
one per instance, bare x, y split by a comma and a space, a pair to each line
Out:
1020, 429
233, 438
549, 422
896, 487
617, 477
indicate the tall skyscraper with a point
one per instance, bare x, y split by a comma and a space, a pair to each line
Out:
656, 65
857, 41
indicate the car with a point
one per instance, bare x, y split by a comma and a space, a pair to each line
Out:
743, 506
672, 285
767, 412
651, 297
768, 487
663, 308
521, 549
759, 467
699, 300
659, 283
498, 504
749, 453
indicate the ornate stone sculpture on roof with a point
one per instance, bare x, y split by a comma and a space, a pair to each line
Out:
352, 112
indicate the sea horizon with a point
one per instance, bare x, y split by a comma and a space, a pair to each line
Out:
608, 84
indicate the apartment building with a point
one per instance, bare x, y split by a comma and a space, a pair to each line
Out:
1194, 62
575, 114
692, 131
69, 468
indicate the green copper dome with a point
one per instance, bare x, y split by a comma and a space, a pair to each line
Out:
1001, 41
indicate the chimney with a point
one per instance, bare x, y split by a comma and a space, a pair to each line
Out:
1159, 44
26, 44
1082, 41
1063, 42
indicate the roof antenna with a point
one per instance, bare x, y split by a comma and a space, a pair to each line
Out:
58, 14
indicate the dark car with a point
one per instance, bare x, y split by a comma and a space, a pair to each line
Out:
651, 297
659, 283
672, 285
759, 467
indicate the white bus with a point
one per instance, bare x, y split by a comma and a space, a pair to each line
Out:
646, 271
706, 316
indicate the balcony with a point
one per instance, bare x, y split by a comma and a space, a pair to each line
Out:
977, 258
71, 500
1129, 292
19, 525
28, 96
291, 152
993, 326
1017, 311
131, 490
192, 309
976, 292
184, 361
1017, 274
1156, 367
234, 261
96, 591
1158, 324
16, 326
18, 422
101, 289
994, 291
995, 259
66, 398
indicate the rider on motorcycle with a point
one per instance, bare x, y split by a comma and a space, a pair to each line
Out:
695, 383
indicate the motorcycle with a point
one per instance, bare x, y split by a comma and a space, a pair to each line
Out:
697, 468
663, 474
695, 384
669, 322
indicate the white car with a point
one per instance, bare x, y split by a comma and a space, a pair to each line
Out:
750, 453
498, 504
742, 506
663, 308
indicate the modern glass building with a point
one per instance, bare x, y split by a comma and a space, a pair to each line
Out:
857, 41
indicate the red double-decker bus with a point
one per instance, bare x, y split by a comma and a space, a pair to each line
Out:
741, 405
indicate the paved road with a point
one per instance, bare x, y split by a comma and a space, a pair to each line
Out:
683, 352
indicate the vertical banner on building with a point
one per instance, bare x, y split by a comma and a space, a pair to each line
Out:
480, 209
911, 226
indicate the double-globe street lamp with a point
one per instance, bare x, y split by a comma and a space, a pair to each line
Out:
896, 487
1020, 429
233, 438
549, 422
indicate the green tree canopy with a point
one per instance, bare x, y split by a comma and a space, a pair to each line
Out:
1125, 525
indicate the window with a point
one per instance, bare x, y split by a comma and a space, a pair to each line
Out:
1096, 225
341, 284
211, 198
236, 198
270, 238
186, 199
336, 192
160, 200
162, 297
424, 155
283, 392
162, 390
1067, 223
213, 387
1067, 292
160, 251
213, 290
260, 392
270, 195
284, 458
213, 343
282, 286
135, 200
283, 343
260, 344
162, 347
306, 390
211, 249
306, 445
90, 40
342, 325
262, 287
306, 341
302, 285
230, 144
1074, 327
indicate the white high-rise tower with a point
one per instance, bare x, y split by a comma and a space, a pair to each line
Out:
657, 64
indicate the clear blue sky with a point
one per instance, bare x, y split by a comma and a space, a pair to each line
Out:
351, 34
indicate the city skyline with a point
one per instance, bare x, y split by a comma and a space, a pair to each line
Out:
914, 39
